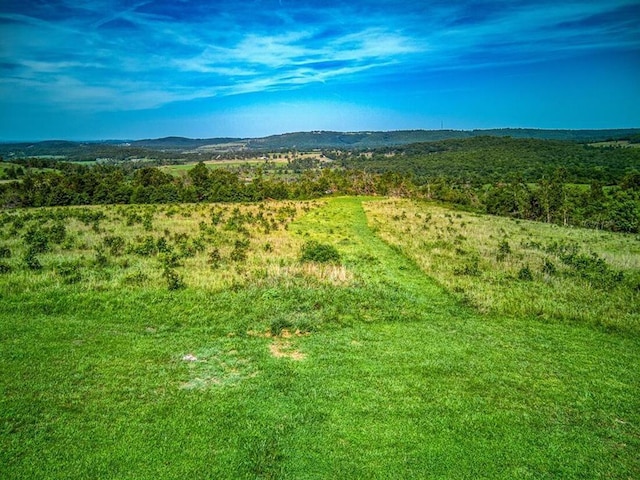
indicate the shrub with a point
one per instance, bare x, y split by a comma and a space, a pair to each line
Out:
136, 278
101, 259
57, 233
70, 272
548, 267
214, 258
163, 246
472, 268
145, 247
525, 273
115, 244
5, 252
169, 260
31, 260
279, 324
313, 251
37, 240
133, 218
147, 222
5, 268
504, 249
239, 252
174, 280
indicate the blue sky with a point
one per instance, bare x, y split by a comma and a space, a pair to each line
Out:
97, 69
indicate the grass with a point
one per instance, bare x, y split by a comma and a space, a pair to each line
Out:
519, 268
367, 369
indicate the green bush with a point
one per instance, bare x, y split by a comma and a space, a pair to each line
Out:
471, 267
214, 258
504, 249
31, 260
525, 273
37, 240
115, 244
174, 280
548, 267
70, 272
313, 251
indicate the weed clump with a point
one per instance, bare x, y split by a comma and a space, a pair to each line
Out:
525, 274
504, 249
471, 268
69, 272
214, 258
313, 251
174, 280
31, 260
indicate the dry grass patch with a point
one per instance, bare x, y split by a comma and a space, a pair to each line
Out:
518, 267
284, 349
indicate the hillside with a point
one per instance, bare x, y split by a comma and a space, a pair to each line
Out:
194, 341
299, 140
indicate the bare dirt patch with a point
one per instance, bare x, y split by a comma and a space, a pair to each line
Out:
283, 349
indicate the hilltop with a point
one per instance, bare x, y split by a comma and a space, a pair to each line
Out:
297, 140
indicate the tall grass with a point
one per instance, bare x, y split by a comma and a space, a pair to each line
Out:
519, 268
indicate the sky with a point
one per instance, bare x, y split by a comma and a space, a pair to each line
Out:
108, 69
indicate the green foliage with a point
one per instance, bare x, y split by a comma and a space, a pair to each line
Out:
471, 267
525, 274
70, 272
144, 246
214, 257
31, 260
313, 251
278, 325
173, 278
57, 233
240, 249
100, 259
5, 252
548, 267
394, 372
504, 249
37, 239
169, 260
115, 244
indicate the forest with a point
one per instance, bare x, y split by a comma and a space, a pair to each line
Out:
545, 180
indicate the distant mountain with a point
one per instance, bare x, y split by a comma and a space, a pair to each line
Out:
296, 140
181, 142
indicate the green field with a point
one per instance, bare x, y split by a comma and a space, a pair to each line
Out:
191, 341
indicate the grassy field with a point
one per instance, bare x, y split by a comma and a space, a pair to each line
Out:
199, 345
521, 268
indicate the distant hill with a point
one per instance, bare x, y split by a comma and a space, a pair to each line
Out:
362, 140
181, 142
296, 140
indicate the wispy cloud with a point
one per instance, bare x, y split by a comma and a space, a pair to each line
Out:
112, 55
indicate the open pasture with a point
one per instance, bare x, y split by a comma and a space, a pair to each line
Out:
193, 341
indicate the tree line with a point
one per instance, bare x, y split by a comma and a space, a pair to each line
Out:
553, 182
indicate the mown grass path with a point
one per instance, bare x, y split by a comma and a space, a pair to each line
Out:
449, 393
395, 379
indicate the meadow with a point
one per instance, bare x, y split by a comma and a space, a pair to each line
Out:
339, 338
